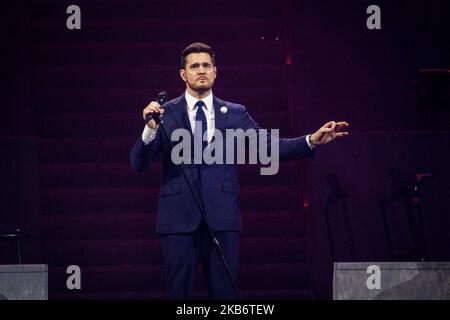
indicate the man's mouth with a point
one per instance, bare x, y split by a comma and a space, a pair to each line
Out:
202, 78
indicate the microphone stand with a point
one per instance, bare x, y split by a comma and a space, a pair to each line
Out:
335, 196
159, 121
403, 193
420, 177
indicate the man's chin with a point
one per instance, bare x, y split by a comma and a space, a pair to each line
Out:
202, 89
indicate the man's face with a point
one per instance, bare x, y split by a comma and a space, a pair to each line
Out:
199, 72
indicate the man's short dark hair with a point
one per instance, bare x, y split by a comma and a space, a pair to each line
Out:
196, 47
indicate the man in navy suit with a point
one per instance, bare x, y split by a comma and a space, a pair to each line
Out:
185, 235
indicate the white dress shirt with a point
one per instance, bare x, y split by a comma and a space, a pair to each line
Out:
208, 108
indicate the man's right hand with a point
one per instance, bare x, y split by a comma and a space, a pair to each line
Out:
152, 107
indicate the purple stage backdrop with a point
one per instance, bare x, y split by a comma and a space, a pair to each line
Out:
72, 105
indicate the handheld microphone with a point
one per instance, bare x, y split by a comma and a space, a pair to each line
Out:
161, 99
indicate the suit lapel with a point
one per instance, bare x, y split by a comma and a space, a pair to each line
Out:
220, 117
179, 113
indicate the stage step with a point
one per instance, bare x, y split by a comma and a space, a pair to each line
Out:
135, 252
141, 53
134, 100
143, 76
124, 200
133, 226
103, 125
86, 150
88, 175
170, 9
152, 277
146, 30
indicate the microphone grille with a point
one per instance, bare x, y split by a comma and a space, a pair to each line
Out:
162, 97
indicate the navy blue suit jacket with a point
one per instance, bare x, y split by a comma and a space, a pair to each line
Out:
216, 184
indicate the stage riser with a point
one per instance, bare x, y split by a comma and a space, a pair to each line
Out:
23, 282
397, 281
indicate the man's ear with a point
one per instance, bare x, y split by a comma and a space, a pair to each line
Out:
215, 72
183, 74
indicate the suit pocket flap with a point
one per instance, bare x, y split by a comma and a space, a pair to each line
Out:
228, 186
170, 189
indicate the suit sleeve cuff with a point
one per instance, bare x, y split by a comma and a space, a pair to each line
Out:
310, 144
148, 135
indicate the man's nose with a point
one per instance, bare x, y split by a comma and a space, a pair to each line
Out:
201, 70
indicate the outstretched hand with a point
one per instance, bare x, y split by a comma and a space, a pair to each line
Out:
328, 132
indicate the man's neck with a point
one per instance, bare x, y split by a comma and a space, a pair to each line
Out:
198, 94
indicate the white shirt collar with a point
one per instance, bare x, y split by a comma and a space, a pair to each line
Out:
191, 101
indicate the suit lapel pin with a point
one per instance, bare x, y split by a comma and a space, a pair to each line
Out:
224, 109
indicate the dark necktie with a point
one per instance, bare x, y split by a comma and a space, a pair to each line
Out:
200, 118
